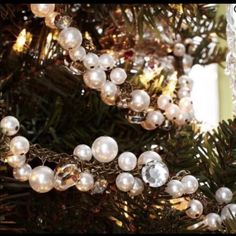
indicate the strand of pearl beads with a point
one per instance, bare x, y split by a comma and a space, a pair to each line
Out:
104, 149
70, 39
214, 221
189, 185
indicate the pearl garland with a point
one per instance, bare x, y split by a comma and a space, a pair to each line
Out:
104, 149
103, 76
42, 178
154, 173
188, 184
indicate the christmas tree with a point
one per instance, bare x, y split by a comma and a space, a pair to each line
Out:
102, 93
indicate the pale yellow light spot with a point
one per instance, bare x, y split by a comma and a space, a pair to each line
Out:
24, 38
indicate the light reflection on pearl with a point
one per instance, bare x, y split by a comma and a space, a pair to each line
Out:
41, 179
104, 149
140, 100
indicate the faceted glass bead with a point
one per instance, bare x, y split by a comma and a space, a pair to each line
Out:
62, 22
66, 176
155, 173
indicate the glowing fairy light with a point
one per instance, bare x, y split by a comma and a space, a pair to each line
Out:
24, 38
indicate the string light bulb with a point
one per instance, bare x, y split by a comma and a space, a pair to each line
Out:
24, 38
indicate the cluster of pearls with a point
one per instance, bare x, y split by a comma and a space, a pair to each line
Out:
102, 75
41, 177
105, 149
213, 220
179, 114
187, 185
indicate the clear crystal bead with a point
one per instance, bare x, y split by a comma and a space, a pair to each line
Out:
66, 176
167, 125
76, 68
62, 22
135, 117
155, 173
99, 186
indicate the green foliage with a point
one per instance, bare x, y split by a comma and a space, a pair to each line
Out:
217, 156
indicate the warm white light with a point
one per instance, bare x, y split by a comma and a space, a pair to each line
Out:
205, 95
23, 38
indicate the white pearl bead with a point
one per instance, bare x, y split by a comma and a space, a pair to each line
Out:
164, 101
16, 161
22, 173
212, 220
179, 50
184, 92
186, 104
190, 184
42, 10
70, 38
155, 118
86, 182
175, 188
124, 181
223, 195
19, 145
225, 212
195, 209
137, 188
50, 19
172, 112
185, 81
127, 161
83, 151
140, 100
9, 125
91, 60
148, 156
147, 125
41, 179
183, 118
95, 78
118, 76
77, 54
106, 62
104, 149
109, 89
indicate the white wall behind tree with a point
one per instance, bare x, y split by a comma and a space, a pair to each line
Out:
205, 95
